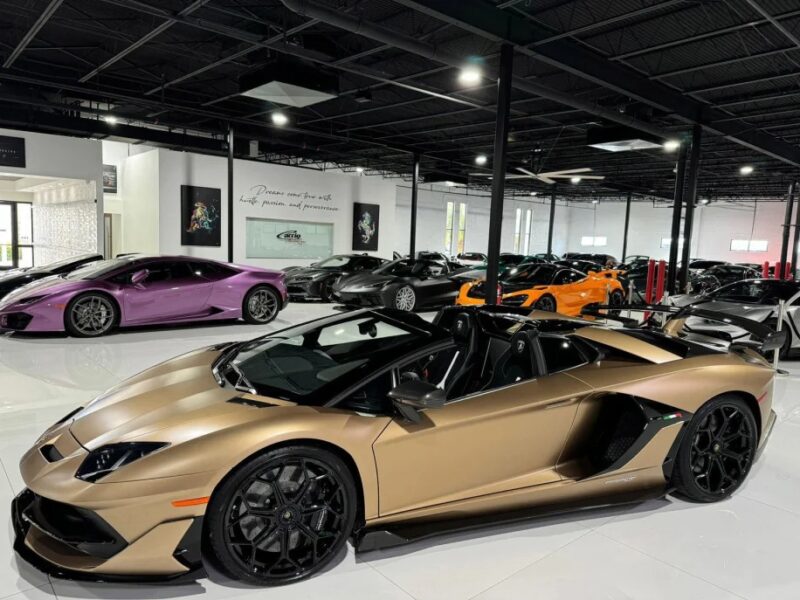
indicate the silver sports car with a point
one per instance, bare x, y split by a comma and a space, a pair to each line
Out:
756, 299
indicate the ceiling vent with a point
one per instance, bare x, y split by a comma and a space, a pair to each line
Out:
290, 82
621, 139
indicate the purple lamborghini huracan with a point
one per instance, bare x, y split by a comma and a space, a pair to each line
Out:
137, 290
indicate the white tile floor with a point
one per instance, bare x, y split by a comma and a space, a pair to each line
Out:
747, 547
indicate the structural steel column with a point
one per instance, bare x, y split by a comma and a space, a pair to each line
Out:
499, 173
690, 197
230, 193
552, 221
793, 189
625, 229
677, 207
414, 190
787, 228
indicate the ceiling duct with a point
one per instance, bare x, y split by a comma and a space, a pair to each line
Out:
289, 81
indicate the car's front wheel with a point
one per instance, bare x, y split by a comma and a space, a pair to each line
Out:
547, 303
405, 298
282, 516
90, 315
261, 305
717, 450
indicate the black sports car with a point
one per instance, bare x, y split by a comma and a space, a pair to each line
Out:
11, 280
720, 275
316, 281
403, 284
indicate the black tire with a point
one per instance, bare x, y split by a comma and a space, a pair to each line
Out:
325, 290
296, 540
616, 298
261, 305
91, 315
717, 450
546, 302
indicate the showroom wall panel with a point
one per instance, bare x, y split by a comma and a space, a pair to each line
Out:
270, 192
64, 221
138, 187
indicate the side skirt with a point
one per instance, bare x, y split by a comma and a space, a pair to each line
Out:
369, 539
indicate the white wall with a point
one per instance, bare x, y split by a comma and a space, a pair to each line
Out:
183, 168
64, 157
140, 217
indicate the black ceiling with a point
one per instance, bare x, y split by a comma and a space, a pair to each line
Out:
169, 71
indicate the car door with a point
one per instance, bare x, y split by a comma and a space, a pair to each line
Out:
172, 290
573, 289
434, 286
508, 438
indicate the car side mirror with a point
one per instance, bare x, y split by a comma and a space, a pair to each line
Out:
139, 276
412, 396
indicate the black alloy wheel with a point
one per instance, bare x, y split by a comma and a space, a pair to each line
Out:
547, 303
717, 450
282, 516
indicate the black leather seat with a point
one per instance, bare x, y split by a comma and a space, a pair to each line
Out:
519, 362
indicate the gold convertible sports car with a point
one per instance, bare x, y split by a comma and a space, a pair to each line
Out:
264, 457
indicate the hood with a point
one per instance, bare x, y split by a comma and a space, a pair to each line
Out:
42, 287
310, 272
179, 398
757, 312
363, 280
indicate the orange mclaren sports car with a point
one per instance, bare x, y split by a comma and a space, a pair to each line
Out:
550, 287
264, 457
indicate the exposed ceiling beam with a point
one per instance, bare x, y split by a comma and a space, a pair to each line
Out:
45, 15
143, 40
484, 19
774, 22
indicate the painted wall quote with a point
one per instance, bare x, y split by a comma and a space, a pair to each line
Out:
262, 196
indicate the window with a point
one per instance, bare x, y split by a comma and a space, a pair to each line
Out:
749, 245
594, 240
560, 353
462, 228
568, 276
448, 227
666, 242
518, 230
526, 242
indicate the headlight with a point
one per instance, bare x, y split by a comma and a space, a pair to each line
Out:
108, 459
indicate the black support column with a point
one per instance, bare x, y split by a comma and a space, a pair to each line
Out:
625, 228
230, 193
499, 173
677, 207
552, 221
690, 198
414, 190
787, 230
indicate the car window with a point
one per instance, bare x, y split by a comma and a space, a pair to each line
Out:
209, 270
756, 292
568, 276
560, 353
168, 271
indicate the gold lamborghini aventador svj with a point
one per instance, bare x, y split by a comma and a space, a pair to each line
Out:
265, 457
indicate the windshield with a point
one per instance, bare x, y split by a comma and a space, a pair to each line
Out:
334, 262
311, 363
533, 274
54, 266
471, 256
756, 291
704, 264
405, 267
98, 269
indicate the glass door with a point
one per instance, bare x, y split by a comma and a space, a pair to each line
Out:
16, 235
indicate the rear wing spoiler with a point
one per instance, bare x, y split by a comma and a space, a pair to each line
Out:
769, 338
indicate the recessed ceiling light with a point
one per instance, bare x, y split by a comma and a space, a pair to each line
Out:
449, 183
746, 170
704, 201
671, 145
595, 201
279, 119
110, 119
359, 169
534, 193
480, 159
575, 180
470, 75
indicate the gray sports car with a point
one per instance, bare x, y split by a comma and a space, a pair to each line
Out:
756, 299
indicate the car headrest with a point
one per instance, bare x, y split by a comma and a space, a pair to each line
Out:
462, 327
520, 344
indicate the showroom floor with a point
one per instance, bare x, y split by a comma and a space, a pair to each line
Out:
746, 547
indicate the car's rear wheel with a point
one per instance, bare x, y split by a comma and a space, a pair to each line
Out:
405, 298
326, 290
717, 450
261, 305
547, 303
282, 516
90, 315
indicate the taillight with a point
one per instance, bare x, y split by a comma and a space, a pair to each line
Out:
499, 294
